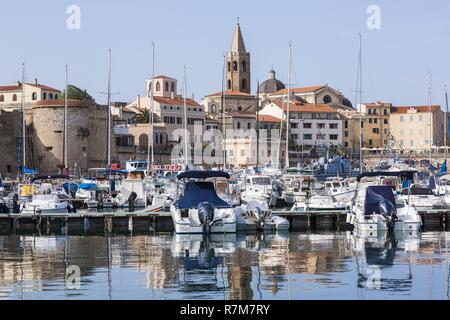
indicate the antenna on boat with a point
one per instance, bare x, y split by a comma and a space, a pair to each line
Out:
288, 98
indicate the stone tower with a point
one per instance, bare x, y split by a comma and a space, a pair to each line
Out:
238, 65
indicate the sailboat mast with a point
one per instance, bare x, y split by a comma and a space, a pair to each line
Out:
288, 100
431, 114
445, 122
224, 149
185, 119
24, 124
150, 154
65, 122
360, 106
109, 111
257, 124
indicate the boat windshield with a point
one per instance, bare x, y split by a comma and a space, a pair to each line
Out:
417, 192
261, 181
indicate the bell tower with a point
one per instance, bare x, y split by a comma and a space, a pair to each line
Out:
238, 65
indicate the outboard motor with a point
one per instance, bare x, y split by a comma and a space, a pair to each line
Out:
388, 211
131, 199
205, 215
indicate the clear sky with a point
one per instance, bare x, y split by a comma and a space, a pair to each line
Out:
414, 38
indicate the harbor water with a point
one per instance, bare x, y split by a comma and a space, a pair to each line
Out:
295, 265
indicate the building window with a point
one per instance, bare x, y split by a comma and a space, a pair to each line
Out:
179, 120
401, 118
229, 84
2, 98
411, 118
172, 87
346, 124
167, 86
386, 121
294, 125
213, 108
327, 99
333, 136
34, 96
143, 140
238, 125
370, 120
158, 86
307, 136
8, 168
15, 97
229, 66
346, 144
249, 125
50, 96
235, 66
239, 108
346, 133
333, 125
420, 117
244, 66
385, 112
370, 142
375, 131
375, 120
307, 126
321, 126
244, 84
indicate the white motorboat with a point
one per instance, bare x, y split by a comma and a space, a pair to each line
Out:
258, 188
45, 204
256, 216
375, 208
422, 198
340, 190
319, 202
199, 209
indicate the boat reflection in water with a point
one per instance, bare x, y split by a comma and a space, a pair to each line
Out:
308, 265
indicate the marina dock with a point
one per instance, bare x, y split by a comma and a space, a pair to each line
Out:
98, 223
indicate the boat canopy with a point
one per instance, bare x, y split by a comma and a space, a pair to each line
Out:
200, 174
200, 191
402, 174
376, 194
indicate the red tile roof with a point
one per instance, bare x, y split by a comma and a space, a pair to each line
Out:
420, 109
177, 101
60, 103
19, 87
243, 115
295, 106
231, 93
267, 118
299, 90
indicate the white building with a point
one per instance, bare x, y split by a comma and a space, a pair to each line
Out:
310, 124
11, 96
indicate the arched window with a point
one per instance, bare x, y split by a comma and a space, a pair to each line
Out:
235, 66
161, 138
229, 66
158, 86
244, 66
150, 88
143, 140
44, 96
167, 86
172, 87
327, 99
229, 84
34, 96
15, 97
244, 84
56, 96
239, 108
213, 108
2, 98
50, 96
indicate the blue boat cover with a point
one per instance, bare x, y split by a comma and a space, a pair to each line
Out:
88, 186
200, 174
200, 191
70, 186
376, 194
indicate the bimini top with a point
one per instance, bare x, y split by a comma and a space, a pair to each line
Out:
200, 191
200, 174
403, 174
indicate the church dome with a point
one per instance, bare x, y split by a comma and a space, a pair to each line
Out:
272, 84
